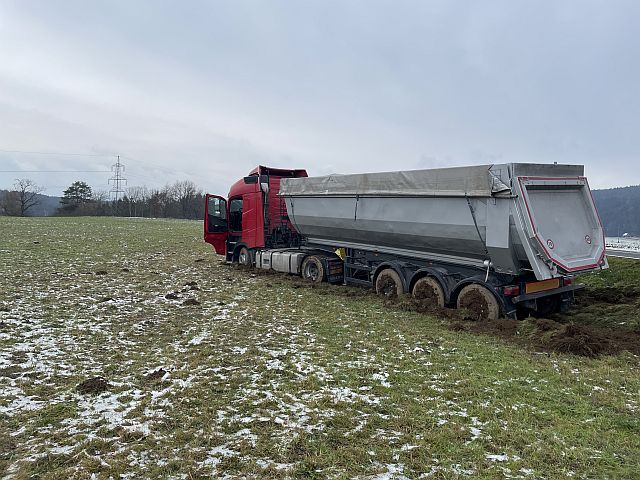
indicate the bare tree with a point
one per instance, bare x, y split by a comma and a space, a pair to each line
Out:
23, 197
9, 204
136, 195
185, 193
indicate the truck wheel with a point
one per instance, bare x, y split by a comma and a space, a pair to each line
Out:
480, 302
313, 269
244, 257
546, 306
429, 290
388, 283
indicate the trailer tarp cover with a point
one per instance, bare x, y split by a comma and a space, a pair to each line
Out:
474, 181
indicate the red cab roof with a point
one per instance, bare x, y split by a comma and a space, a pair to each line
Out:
278, 172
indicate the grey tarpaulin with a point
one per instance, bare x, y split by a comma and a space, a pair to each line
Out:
474, 181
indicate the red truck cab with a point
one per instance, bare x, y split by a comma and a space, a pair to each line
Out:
252, 216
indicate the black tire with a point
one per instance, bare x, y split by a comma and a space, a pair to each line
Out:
244, 257
547, 306
313, 269
389, 284
429, 291
479, 301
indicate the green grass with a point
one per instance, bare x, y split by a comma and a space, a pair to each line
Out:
612, 297
270, 379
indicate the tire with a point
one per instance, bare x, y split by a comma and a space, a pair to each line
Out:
547, 306
389, 284
313, 269
244, 257
429, 291
479, 301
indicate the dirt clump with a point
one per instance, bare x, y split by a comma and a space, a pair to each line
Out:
546, 335
125, 270
197, 260
92, 386
4, 308
193, 285
172, 296
191, 301
425, 293
457, 327
503, 327
101, 272
544, 324
105, 299
387, 285
579, 340
475, 305
608, 295
156, 374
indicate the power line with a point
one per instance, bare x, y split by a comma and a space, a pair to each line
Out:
155, 165
54, 171
59, 153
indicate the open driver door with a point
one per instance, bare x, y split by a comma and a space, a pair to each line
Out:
216, 227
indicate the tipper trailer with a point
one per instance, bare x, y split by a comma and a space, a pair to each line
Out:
497, 239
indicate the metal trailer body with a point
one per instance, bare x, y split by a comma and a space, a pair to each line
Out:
519, 217
523, 229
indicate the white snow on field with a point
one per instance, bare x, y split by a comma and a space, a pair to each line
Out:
19, 403
623, 243
501, 457
393, 472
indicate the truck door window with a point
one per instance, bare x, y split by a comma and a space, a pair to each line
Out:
235, 215
217, 215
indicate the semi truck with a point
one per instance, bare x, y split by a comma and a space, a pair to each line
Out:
499, 240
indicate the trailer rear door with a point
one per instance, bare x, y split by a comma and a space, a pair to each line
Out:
563, 222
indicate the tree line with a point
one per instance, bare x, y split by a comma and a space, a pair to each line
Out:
182, 199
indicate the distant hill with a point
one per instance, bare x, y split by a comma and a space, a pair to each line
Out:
46, 207
619, 210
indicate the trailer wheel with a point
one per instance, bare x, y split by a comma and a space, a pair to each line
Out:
429, 290
546, 306
479, 301
388, 283
313, 269
244, 257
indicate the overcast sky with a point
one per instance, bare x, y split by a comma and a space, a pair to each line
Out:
206, 90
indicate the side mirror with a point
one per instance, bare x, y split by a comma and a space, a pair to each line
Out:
264, 183
251, 179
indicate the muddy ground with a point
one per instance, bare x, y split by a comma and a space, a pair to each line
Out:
562, 333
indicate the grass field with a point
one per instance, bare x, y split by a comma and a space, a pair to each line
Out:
211, 371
